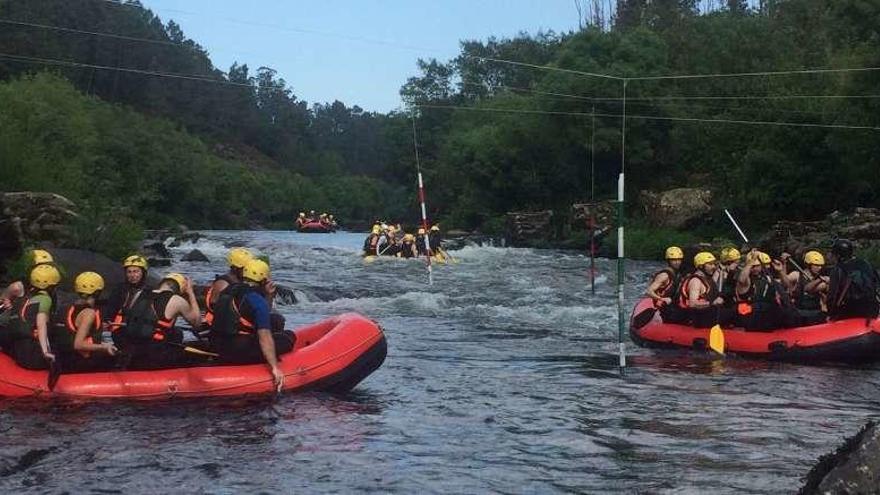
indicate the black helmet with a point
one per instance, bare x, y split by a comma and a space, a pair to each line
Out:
842, 248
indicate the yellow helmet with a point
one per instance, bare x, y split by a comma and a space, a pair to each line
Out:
178, 278
87, 283
135, 260
301, 214
256, 270
41, 256
421, 231
45, 276
702, 258
814, 258
238, 257
376, 229
323, 215
764, 258
729, 254
674, 253
435, 228
409, 237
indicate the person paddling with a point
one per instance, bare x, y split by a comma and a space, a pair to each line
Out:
17, 287
727, 275
148, 334
699, 295
665, 286
853, 284
763, 294
809, 290
242, 331
77, 341
28, 329
237, 258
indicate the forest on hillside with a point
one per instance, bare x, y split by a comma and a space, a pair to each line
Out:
213, 147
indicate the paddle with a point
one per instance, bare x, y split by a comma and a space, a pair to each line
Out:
54, 373
193, 350
643, 318
716, 339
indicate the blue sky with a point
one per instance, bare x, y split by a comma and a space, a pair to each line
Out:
314, 44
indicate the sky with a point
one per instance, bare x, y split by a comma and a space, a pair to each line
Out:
358, 52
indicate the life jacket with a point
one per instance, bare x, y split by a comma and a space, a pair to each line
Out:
672, 287
855, 285
806, 300
209, 306
763, 291
370, 243
711, 289
145, 319
420, 245
232, 314
64, 340
406, 250
131, 295
727, 291
23, 321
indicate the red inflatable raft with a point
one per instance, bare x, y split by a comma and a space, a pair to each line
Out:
843, 341
331, 355
314, 228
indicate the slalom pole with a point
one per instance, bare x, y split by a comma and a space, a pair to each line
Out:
422, 203
621, 314
593, 201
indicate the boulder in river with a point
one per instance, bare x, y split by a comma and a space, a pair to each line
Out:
853, 468
195, 256
677, 208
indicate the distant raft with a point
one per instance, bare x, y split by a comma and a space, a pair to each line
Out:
315, 227
855, 340
332, 355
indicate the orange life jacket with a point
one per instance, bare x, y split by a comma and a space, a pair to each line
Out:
708, 296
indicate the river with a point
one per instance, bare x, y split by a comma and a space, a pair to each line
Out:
501, 377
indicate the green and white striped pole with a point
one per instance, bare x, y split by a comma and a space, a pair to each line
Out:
621, 313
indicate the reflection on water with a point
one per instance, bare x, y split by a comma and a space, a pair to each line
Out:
502, 377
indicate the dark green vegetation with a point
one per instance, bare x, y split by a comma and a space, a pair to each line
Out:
236, 149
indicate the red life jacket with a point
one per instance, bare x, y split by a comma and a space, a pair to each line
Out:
708, 296
671, 288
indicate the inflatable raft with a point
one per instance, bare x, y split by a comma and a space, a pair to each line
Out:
314, 228
842, 341
332, 355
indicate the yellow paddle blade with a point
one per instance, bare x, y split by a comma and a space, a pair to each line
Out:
200, 352
716, 339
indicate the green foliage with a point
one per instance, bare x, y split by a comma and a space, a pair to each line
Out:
649, 243
109, 232
872, 255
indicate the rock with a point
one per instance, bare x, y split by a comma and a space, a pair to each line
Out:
676, 208
34, 218
528, 226
861, 226
179, 239
853, 468
195, 256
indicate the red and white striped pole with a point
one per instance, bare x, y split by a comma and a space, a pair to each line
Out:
422, 204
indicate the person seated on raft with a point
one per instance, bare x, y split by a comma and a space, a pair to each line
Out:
371, 243
699, 297
126, 293
727, 275
237, 258
332, 222
763, 295
408, 247
242, 331
390, 246
26, 337
421, 247
17, 287
853, 284
77, 342
312, 216
665, 286
809, 290
300, 220
147, 335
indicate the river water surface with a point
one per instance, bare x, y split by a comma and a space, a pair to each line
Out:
501, 377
